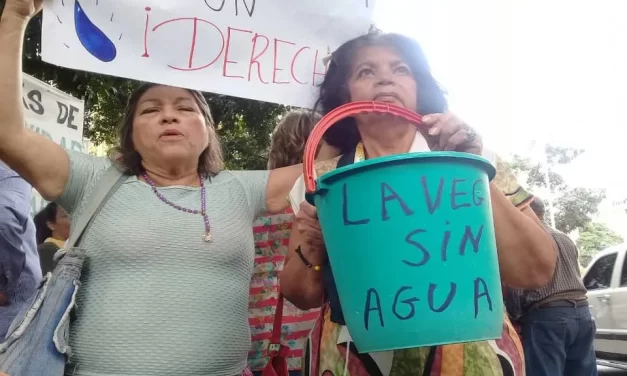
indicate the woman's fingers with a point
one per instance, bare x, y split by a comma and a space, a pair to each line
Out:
455, 140
442, 127
308, 225
308, 210
448, 132
311, 232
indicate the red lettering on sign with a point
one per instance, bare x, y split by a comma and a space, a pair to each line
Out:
146, 33
299, 61
195, 21
276, 53
226, 52
293, 64
254, 58
315, 69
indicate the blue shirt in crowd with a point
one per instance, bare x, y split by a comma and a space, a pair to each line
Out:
20, 272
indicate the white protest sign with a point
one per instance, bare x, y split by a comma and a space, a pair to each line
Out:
270, 50
55, 115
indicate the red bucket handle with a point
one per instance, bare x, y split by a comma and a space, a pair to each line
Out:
341, 113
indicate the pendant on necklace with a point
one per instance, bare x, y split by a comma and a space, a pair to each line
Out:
208, 237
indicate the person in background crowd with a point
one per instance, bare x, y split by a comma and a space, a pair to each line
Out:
289, 138
557, 327
272, 234
53, 229
20, 273
391, 68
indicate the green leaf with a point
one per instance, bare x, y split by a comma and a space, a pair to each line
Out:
573, 206
594, 238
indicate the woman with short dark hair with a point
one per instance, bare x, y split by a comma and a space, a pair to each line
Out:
53, 229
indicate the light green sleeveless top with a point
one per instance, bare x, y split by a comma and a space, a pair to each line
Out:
155, 298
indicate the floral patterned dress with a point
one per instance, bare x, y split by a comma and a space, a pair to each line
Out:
272, 234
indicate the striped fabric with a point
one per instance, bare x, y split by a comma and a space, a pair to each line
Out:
272, 234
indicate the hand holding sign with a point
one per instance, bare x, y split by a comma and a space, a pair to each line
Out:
24, 9
448, 132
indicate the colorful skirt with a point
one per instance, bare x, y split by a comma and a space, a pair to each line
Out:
327, 355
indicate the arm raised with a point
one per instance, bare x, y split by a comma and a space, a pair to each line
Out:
41, 162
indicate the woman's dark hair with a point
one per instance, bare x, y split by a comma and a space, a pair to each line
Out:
41, 219
334, 88
210, 162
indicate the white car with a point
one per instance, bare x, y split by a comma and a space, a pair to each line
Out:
606, 281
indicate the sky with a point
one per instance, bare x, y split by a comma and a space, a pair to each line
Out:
523, 70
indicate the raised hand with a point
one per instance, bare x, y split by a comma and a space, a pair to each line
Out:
24, 9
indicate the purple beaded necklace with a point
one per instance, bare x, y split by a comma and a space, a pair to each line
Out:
203, 203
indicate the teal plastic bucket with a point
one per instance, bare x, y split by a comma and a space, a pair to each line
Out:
410, 239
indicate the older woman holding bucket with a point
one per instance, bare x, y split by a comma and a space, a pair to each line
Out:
168, 255
391, 68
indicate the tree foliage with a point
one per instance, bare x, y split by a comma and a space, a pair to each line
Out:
593, 238
532, 173
243, 125
573, 206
